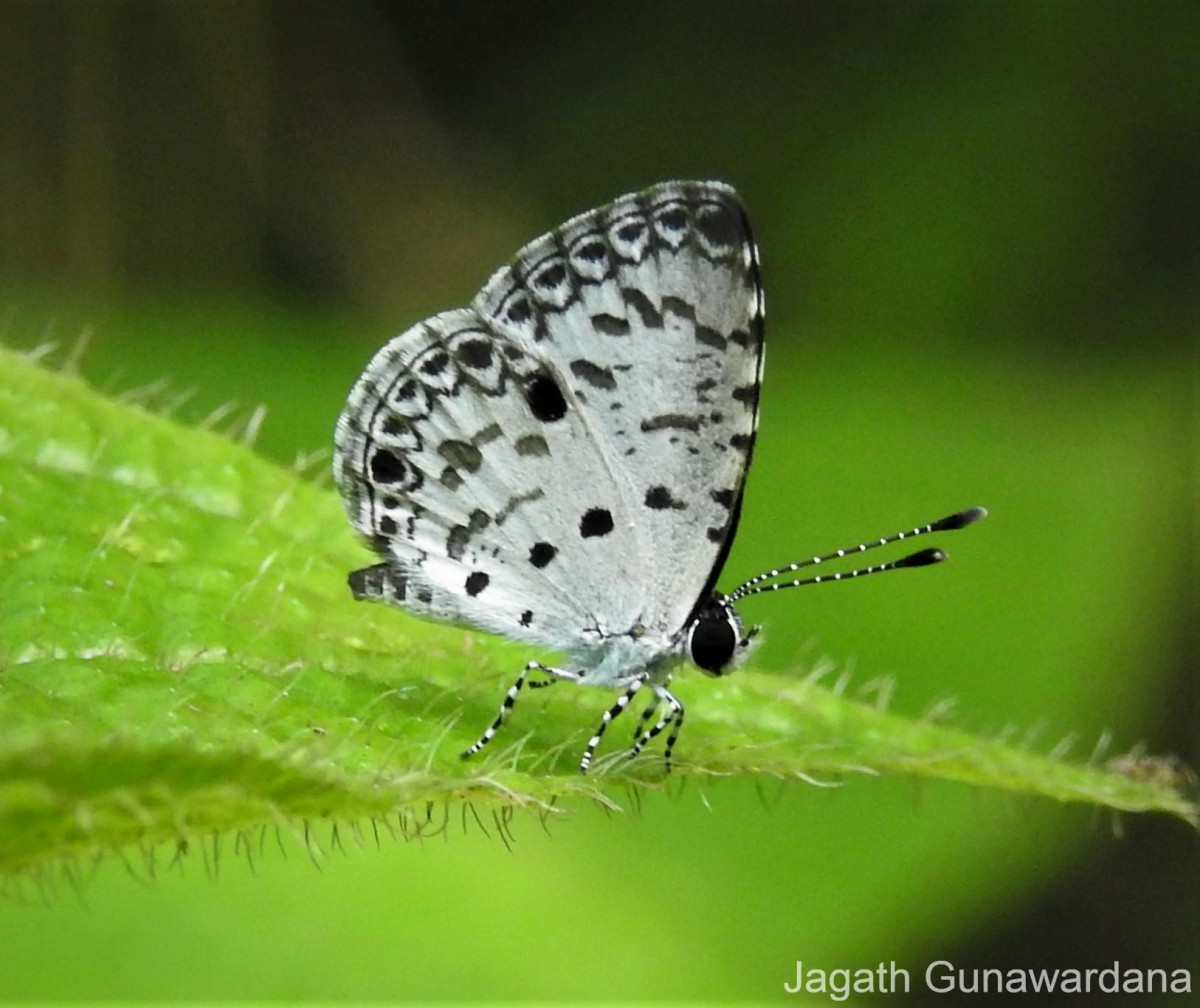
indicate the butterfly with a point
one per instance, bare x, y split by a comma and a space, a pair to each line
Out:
563, 461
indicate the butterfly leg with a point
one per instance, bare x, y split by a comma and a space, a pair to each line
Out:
644, 720
673, 717
614, 711
510, 699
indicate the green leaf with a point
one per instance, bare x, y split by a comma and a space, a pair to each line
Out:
179, 656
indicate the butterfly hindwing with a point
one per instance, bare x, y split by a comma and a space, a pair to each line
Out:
466, 462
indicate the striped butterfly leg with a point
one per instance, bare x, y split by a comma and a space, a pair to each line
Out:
673, 717
644, 721
616, 710
510, 698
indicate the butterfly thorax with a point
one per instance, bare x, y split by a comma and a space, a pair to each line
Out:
617, 660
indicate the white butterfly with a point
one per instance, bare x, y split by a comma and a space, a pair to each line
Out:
562, 462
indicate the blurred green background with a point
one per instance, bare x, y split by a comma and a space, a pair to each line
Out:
978, 225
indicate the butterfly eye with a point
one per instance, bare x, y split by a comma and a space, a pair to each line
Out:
712, 641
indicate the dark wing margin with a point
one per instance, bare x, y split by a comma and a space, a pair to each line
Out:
758, 337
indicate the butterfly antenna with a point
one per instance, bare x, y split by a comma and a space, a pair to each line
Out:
922, 558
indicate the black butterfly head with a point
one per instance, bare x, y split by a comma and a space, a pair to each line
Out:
715, 638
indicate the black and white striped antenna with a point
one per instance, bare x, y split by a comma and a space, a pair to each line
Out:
922, 558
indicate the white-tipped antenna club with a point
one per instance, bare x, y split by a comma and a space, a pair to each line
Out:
922, 558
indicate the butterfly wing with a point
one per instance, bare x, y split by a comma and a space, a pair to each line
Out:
565, 458
653, 306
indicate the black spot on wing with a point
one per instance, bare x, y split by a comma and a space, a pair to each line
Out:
593, 250
514, 502
720, 226
394, 425
747, 395
552, 276
677, 306
541, 553
475, 583
659, 498
545, 398
518, 309
489, 433
671, 421
598, 377
610, 325
629, 235
459, 537
673, 219
435, 363
595, 522
723, 497
589, 259
532, 445
461, 454
475, 353
638, 301
456, 542
387, 466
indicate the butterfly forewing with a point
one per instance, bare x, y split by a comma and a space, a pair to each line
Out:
652, 306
